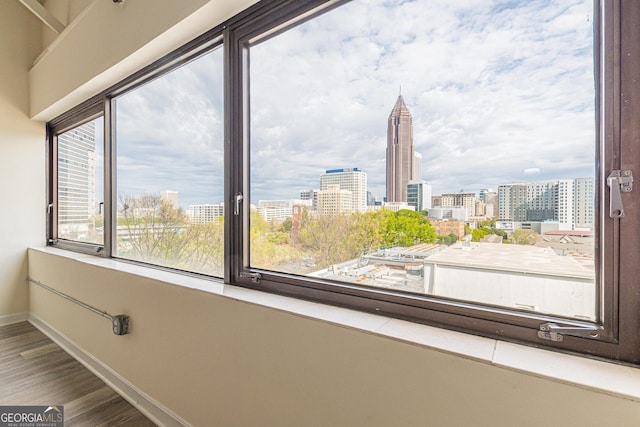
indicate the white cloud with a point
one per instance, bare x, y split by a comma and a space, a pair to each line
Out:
495, 88
492, 86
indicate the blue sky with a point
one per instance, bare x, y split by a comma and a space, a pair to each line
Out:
500, 91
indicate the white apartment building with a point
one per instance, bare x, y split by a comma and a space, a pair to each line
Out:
583, 203
567, 201
351, 179
202, 214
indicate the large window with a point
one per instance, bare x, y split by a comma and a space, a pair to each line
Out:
357, 126
454, 163
169, 169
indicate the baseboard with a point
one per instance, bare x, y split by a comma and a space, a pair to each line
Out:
9, 319
154, 410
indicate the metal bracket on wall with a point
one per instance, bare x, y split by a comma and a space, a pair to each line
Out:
119, 322
618, 181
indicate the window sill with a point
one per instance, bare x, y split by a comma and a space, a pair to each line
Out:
609, 378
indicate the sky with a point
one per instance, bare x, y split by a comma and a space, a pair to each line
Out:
499, 91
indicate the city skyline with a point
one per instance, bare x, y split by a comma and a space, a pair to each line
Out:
477, 120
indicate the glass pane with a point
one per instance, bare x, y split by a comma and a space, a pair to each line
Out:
428, 146
80, 183
169, 139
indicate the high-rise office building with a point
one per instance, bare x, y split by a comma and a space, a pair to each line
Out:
351, 179
400, 152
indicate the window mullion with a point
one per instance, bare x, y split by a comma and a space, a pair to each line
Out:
110, 203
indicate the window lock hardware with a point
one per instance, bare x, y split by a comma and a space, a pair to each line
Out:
555, 333
49, 208
236, 207
618, 181
53, 241
255, 277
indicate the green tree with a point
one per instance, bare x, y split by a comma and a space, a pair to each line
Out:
327, 239
407, 228
154, 231
479, 233
448, 240
524, 237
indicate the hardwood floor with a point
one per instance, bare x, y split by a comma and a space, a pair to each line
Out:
35, 371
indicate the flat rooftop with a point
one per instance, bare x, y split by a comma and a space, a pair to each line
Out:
514, 258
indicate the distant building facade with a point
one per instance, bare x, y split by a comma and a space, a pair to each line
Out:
398, 206
312, 195
202, 214
419, 195
334, 201
279, 210
458, 213
417, 167
466, 200
353, 180
444, 228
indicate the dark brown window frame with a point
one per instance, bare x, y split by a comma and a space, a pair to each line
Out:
617, 59
614, 39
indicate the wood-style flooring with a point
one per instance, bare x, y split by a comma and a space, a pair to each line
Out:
35, 371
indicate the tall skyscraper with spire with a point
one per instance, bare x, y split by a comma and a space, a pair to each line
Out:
400, 152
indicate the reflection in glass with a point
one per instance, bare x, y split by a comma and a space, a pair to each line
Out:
80, 182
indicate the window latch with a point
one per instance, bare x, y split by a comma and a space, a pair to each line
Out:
238, 200
618, 181
254, 277
554, 332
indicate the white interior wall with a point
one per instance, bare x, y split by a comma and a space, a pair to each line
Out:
214, 360
22, 154
64, 11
